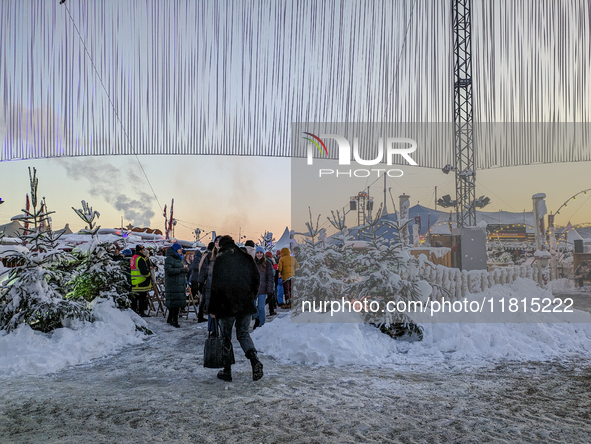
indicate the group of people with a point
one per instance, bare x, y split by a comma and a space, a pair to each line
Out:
233, 285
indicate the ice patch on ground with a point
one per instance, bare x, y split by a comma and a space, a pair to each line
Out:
453, 344
26, 351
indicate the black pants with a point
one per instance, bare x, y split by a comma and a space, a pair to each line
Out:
272, 301
139, 301
201, 314
201, 298
173, 315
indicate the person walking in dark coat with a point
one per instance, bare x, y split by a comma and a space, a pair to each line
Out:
204, 283
265, 286
234, 287
196, 285
175, 273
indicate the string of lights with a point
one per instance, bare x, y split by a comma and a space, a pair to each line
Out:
574, 197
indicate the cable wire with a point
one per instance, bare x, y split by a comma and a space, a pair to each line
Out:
112, 104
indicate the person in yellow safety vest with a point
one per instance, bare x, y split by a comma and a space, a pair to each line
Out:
141, 280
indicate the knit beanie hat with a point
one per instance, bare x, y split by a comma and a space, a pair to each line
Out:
176, 247
261, 249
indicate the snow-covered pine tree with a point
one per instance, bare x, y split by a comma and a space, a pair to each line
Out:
96, 274
384, 270
323, 273
381, 273
32, 294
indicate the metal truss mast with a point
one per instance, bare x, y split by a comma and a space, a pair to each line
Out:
464, 147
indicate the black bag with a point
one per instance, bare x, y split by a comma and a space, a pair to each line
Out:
218, 351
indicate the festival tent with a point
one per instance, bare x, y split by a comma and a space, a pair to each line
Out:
65, 230
572, 235
284, 241
12, 229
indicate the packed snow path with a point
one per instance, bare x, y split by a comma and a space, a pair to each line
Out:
159, 391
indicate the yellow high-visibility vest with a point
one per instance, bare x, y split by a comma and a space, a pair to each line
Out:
136, 276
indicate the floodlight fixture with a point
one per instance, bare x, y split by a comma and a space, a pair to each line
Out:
447, 168
446, 202
481, 202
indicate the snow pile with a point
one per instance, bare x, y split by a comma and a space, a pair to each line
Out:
561, 285
323, 344
448, 344
26, 351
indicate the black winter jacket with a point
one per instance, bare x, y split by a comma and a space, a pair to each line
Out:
205, 275
174, 280
194, 269
234, 284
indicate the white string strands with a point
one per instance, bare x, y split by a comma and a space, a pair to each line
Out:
226, 77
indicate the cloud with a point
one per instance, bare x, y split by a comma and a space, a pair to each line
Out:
120, 187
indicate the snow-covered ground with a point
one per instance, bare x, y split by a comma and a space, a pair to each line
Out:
26, 351
158, 391
452, 345
104, 382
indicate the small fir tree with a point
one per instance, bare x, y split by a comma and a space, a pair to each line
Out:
381, 272
32, 294
97, 274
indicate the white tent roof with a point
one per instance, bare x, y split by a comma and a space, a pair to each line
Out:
572, 235
442, 225
284, 242
11, 229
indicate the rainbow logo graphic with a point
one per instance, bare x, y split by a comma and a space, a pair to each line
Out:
314, 142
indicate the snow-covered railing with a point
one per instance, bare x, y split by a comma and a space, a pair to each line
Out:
461, 282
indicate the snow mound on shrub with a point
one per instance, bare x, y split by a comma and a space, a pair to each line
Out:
448, 344
26, 351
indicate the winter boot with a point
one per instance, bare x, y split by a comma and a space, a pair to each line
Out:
175, 319
257, 323
257, 366
225, 374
